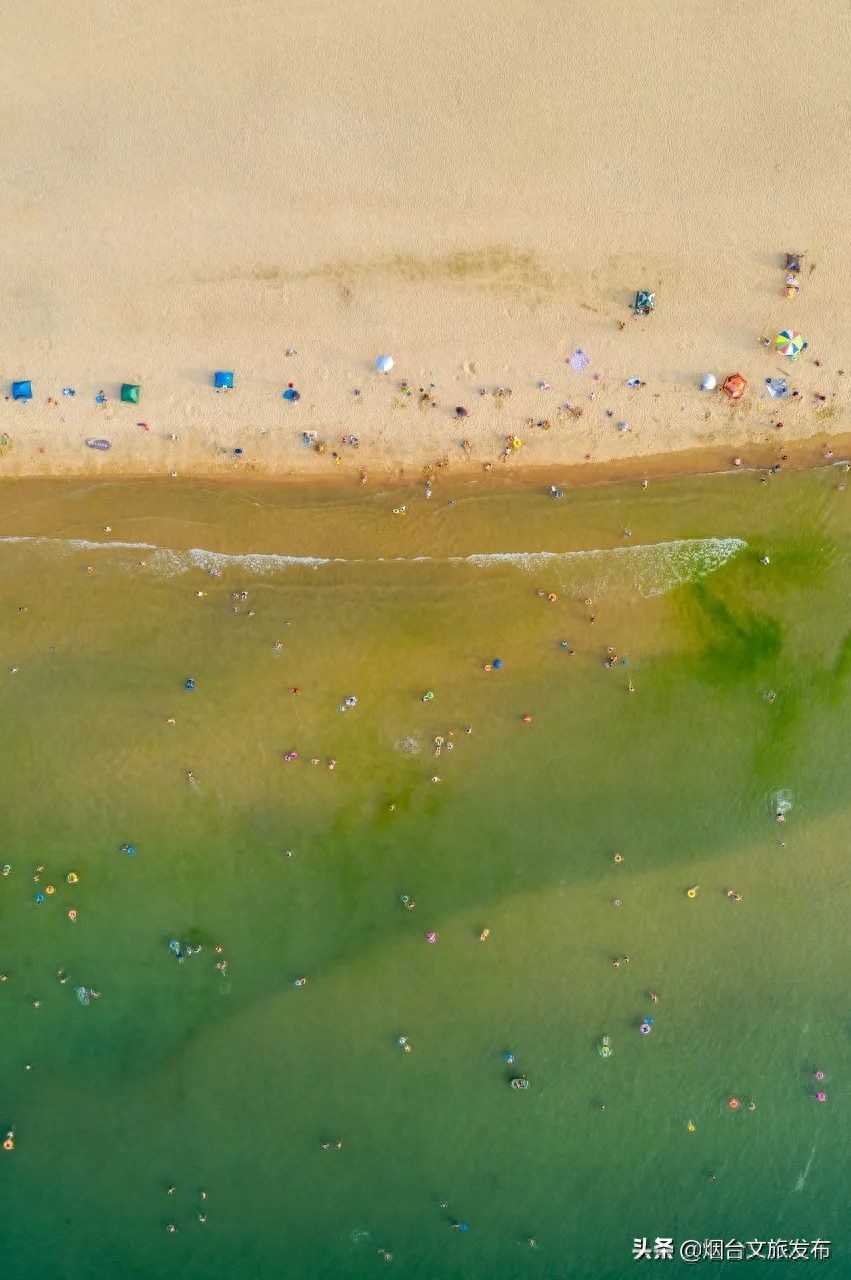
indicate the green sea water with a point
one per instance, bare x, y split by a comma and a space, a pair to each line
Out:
185, 1075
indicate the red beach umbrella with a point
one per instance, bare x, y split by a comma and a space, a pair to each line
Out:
735, 386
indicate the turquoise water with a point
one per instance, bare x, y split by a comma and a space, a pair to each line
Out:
230, 1082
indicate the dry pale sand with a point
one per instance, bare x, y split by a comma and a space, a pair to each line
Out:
477, 188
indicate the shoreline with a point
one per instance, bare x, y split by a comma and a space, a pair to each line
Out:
794, 455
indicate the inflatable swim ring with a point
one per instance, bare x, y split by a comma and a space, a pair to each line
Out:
72, 877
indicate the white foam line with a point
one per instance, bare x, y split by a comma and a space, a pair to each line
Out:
655, 567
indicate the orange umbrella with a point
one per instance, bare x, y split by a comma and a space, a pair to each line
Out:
735, 386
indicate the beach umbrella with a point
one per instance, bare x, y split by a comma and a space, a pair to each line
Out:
223, 380
709, 382
735, 386
384, 364
790, 343
22, 390
130, 392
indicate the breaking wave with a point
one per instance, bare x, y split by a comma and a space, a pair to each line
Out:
650, 569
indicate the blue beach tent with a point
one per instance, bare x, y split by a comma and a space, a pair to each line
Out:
22, 390
223, 380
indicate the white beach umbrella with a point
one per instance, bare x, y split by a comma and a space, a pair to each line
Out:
709, 383
384, 364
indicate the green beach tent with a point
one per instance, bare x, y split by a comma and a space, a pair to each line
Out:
130, 393
644, 303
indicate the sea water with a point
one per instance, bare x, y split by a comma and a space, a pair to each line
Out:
673, 699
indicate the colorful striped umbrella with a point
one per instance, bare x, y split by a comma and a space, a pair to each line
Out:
790, 343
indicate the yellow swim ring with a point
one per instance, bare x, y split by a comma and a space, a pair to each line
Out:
72, 877
692, 892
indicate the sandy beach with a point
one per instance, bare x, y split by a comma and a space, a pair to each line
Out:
478, 190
